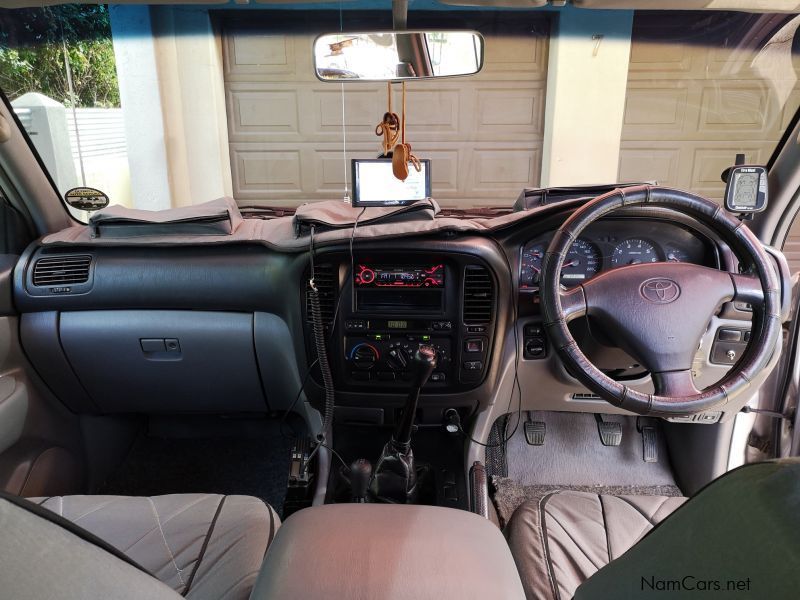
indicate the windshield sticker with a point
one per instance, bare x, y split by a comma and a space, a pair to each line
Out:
86, 198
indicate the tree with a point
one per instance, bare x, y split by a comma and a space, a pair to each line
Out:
33, 44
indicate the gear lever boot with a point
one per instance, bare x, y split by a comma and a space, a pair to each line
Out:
395, 477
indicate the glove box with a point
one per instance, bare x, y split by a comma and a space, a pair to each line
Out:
164, 361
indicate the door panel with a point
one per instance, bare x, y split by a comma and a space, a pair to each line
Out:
41, 450
792, 247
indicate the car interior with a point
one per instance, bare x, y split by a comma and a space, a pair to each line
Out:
533, 335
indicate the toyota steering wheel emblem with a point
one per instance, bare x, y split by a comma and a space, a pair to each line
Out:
660, 290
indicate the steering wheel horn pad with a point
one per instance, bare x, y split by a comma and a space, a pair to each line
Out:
658, 312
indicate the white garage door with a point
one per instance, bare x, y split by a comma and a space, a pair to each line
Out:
483, 134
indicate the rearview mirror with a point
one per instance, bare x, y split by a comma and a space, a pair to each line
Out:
396, 56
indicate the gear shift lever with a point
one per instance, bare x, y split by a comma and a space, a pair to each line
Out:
422, 366
360, 476
395, 478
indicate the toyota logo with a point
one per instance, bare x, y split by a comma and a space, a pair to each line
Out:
660, 291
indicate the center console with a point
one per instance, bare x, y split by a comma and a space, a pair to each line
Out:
388, 551
393, 303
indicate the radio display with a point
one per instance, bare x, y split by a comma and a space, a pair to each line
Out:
397, 324
383, 276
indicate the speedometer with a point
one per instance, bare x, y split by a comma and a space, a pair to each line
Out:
581, 263
633, 252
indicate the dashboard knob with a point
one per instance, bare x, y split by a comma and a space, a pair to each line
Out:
397, 358
364, 356
534, 348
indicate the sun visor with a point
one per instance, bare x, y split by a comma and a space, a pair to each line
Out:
218, 217
763, 6
497, 3
42, 3
340, 215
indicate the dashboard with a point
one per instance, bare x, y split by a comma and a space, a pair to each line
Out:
131, 335
616, 243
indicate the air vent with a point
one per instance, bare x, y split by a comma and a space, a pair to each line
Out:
586, 397
478, 296
325, 280
61, 270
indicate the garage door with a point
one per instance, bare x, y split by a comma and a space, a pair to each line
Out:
692, 106
483, 134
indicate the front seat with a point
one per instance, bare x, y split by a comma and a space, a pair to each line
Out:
200, 546
738, 535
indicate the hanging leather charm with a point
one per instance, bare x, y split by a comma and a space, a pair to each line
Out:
400, 161
389, 127
402, 154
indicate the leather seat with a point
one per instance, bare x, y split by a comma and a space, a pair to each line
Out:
740, 531
563, 538
202, 546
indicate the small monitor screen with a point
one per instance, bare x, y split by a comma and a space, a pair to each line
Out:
374, 183
745, 189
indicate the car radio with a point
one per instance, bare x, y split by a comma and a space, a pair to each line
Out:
405, 290
368, 276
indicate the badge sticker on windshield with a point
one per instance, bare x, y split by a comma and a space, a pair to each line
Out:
86, 198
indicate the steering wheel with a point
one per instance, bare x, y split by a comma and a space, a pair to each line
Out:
658, 312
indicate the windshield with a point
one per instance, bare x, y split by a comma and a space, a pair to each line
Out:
169, 106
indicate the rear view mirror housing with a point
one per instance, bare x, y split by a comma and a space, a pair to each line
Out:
397, 55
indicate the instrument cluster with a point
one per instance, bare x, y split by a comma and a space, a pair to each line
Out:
610, 244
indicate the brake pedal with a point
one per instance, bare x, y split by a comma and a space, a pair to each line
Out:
535, 432
647, 427
610, 431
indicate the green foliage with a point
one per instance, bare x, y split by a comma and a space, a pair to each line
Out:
35, 45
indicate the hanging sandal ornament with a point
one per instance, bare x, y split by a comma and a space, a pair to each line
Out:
389, 128
402, 154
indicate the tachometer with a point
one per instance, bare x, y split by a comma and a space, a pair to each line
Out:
633, 252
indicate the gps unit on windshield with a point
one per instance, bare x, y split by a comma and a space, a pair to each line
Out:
746, 189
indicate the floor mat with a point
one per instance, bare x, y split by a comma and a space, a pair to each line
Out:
252, 465
508, 494
573, 455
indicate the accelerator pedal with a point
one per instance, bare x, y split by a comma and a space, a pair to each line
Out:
610, 431
647, 427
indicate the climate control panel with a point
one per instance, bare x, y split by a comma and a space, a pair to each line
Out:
386, 357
